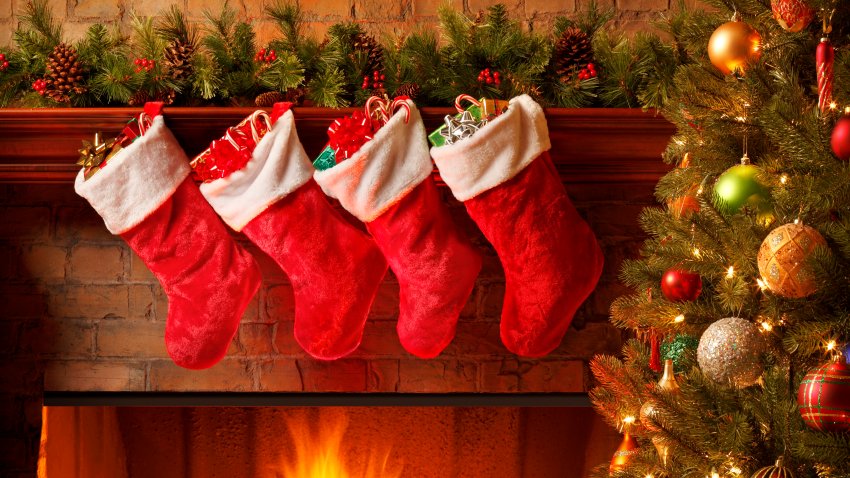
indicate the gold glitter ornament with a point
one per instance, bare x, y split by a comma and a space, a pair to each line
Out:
782, 260
730, 352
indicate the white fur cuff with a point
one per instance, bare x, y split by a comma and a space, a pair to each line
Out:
496, 153
383, 170
137, 180
278, 166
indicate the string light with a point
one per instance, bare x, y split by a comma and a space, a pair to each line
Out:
783, 179
730, 272
697, 253
830, 346
735, 470
679, 319
766, 326
762, 284
629, 419
833, 105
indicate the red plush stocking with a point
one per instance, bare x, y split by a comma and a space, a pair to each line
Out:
335, 269
387, 184
146, 196
507, 181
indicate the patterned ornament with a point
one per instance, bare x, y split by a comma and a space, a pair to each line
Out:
679, 285
732, 45
739, 187
840, 140
782, 260
779, 470
675, 350
824, 61
824, 397
730, 352
792, 15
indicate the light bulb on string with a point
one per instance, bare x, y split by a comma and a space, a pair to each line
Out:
766, 326
762, 284
679, 319
783, 179
730, 272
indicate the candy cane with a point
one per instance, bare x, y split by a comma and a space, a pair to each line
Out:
461, 109
145, 122
381, 108
399, 103
256, 117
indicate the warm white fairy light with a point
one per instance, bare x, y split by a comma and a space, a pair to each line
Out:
679, 319
730, 272
696, 252
830, 346
629, 419
735, 470
741, 119
715, 474
783, 179
833, 105
762, 284
766, 326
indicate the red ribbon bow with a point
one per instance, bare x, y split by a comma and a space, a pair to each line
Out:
346, 135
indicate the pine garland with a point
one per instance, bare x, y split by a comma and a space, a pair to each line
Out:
217, 62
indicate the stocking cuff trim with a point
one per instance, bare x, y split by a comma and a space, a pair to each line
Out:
384, 170
278, 166
496, 153
137, 180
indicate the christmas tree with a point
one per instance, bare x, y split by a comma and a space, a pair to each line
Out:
741, 294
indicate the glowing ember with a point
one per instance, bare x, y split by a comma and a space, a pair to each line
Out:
324, 454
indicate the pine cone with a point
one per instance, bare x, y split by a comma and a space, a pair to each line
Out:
166, 96
373, 50
572, 52
139, 98
64, 74
269, 98
296, 95
408, 89
178, 59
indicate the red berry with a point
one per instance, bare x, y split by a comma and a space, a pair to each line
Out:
380, 85
486, 70
2, 57
496, 74
137, 61
383, 77
489, 80
375, 74
591, 66
262, 51
498, 81
365, 78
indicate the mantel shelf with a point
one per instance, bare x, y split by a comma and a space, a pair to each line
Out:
588, 145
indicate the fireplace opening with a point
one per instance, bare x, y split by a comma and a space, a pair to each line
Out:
322, 442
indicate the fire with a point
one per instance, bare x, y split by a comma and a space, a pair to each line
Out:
324, 454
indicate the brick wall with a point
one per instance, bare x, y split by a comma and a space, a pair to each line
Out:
82, 312
375, 15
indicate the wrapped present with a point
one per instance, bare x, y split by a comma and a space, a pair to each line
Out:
326, 159
232, 151
481, 111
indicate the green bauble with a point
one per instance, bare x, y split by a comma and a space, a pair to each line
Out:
675, 350
738, 187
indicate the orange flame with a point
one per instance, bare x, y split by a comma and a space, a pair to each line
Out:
325, 455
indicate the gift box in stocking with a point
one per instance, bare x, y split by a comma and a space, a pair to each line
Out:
335, 269
387, 184
145, 195
504, 176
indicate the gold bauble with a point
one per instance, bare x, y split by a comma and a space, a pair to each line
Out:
646, 414
732, 45
625, 453
782, 260
662, 448
668, 381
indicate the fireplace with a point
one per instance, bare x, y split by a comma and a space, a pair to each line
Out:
323, 442
83, 327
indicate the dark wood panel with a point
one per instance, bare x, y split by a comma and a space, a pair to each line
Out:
588, 145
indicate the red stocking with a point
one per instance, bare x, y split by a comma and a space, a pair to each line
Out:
145, 195
387, 184
510, 188
335, 269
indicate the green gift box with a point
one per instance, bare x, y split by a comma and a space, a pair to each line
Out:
326, 159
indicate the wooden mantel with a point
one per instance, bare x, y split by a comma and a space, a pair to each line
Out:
588, 145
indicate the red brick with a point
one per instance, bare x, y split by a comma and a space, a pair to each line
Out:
284, 341
280, 303
491, 267
643, 5
595, 338
533, 7
11, 415
96, 9
386, 301
19, 375
344, 375
383, 376
25, 222
513, 5
229, 375
29, 301
68, 338
380, 339
429, 7
380, 10
5, 10
280, 375
500, 376
328, 10
437, 376
254, 340
139, 272
131, 338
94, 376
491, 304
82, 223
14, 454
43, 263
96, 264
89, 301
8, 336
553, 376
476, 339
142, 302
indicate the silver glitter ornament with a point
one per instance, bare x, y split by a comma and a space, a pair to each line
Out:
730, 352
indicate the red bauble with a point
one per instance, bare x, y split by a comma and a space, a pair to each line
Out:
679, 285
824, 397
792, 15
841, 138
